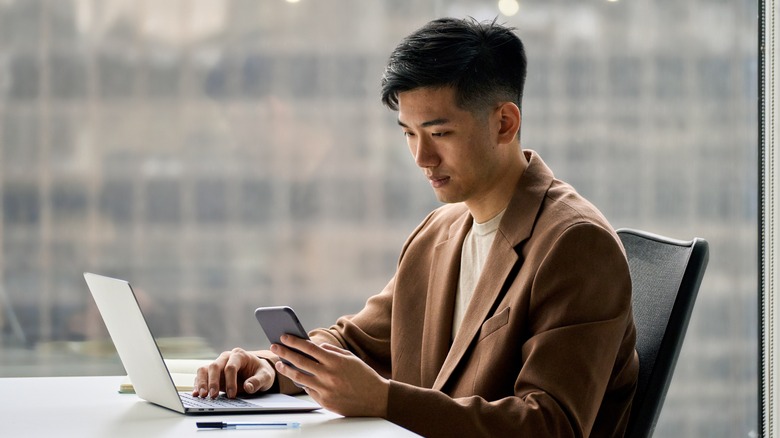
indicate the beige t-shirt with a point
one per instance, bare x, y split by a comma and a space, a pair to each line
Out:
475, 251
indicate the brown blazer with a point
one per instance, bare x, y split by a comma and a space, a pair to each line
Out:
546, 347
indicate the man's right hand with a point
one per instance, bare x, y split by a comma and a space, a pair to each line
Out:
232, 370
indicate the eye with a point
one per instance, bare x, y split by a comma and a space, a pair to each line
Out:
408, 134
439, 134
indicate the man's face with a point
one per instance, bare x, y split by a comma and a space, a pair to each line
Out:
456, 149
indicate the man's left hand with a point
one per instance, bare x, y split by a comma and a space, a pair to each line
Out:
340, 381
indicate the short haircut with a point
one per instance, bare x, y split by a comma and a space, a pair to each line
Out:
484, 62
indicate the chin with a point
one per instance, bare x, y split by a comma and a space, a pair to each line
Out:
448, 199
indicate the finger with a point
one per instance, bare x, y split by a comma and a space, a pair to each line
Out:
232, 366
201, 380
215, 375
335, 349
263, 378
294, 341
299, 360
252, 385
303, 379
305, 346
313, 393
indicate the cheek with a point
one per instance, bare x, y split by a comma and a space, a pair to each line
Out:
411, 147
482, 159
476, 151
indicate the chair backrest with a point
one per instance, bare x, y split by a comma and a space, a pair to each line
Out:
665, 276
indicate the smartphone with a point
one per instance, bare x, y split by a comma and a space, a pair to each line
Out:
278, 321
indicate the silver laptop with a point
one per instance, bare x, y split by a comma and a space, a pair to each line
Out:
145, 365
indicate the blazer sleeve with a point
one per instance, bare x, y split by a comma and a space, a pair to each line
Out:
578, 320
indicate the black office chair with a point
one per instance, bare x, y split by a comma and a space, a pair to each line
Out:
665, 275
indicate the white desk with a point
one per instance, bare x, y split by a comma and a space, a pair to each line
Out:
91, 407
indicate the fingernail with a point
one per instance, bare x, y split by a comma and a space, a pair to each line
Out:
249, 387
231, 393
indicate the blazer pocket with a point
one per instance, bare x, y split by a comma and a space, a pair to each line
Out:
494, 323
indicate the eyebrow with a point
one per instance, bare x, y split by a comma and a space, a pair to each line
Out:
434, 122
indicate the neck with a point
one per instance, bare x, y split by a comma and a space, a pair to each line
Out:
494, 202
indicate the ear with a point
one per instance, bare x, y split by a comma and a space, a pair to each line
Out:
509, 122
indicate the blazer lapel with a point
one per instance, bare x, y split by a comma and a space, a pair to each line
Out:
437, 332
497, 268
504, 259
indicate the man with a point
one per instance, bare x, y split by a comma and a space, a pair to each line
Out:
510, 310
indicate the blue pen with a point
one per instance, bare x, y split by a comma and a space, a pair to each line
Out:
222, 425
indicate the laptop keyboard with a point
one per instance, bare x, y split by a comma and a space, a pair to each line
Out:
222, 401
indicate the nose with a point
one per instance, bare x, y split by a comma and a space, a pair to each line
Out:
424, 153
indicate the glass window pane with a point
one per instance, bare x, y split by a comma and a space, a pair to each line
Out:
211, 201
68, 72
21, 140
21, 204
669, 77
116, 74
69, 201
20, 24
256, 201
257, 75
238, 149
163, 202
117, 201
25, 76
625, 76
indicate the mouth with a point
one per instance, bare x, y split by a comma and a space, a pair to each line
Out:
438, 181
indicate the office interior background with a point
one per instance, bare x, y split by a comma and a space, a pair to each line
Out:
225, 155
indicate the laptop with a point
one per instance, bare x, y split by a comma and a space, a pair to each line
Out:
146, 368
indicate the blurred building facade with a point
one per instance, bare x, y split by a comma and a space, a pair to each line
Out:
227, 155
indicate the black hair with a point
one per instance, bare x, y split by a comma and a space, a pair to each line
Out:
484, 62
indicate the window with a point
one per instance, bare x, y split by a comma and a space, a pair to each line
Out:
224, 155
